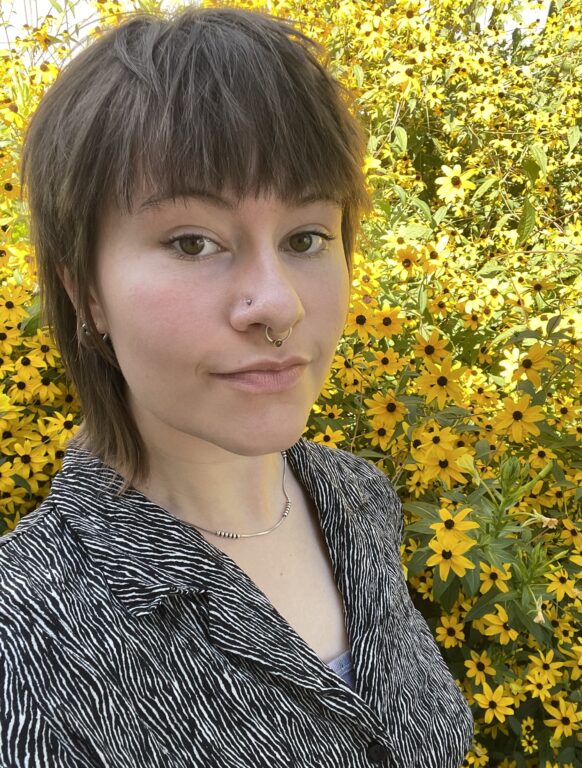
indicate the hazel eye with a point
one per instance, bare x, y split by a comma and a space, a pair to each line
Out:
309, 242
192, 246
301, 242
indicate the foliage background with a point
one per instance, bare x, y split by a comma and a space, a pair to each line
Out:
460, 369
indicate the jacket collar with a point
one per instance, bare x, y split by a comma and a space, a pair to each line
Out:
149, 557
146, 553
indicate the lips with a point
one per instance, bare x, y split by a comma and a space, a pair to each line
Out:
267, 365
265, 381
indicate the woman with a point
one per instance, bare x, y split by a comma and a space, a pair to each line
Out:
203, 586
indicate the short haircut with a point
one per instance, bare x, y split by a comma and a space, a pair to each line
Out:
208, 98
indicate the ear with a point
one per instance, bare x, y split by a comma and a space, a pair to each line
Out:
67, 281
94, 304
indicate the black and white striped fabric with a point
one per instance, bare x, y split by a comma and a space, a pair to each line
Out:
129, 641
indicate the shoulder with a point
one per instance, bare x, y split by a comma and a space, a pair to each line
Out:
30, 556
30, 530
362, 483
346, 465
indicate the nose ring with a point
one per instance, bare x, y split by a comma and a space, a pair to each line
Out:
277, 342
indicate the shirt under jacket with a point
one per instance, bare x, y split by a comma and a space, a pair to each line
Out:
127, 640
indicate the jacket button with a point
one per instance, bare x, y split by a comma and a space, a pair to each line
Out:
376, 752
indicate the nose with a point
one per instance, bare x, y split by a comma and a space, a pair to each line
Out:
272, 286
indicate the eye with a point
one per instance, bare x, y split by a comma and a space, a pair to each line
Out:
192, 246
309, 242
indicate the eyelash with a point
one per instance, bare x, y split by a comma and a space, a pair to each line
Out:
195, 235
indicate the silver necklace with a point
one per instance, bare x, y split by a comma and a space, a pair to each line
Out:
230, 535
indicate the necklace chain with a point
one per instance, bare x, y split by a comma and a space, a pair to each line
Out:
231, 535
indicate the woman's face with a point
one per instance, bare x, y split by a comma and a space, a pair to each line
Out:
170, 289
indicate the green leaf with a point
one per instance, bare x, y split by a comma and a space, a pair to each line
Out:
539, 155
422, 299
510, 470
471, 580
400, 138
573, 137
445, 592
482, 449
508, 333
423, 526
358, 75
417, 231
422, 510
417, 562
486, 185
441, 213
553, 323
30, 324
422, 207
400, 192
541, 634
22, 483
527, 221
531, 169
567, 755
486, 604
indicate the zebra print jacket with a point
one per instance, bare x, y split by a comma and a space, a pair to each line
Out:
128, 641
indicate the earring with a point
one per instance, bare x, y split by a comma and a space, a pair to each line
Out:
84, 327
249, 301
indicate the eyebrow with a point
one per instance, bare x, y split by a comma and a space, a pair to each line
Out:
158, 201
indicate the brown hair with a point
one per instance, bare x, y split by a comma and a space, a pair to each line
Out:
152, 104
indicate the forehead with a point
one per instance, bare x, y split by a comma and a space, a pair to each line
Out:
227, 201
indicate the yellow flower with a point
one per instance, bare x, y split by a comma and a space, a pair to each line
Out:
63, 427
450, 632
455, 183
534, 360
575, 661
330, 437
498, 625
495, 703
448, 470
380, 436
561, 585
537, 685
388, 362
549, 670
29, 459
451, 528
387, 322
565, 718
359, 321
490, 576
529, 743
518, 418
479, 666
431, 346
386, 409
5, 404
450, 558
440, 383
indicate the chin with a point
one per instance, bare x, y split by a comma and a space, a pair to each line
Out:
264, 442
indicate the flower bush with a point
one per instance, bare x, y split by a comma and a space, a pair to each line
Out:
460, 369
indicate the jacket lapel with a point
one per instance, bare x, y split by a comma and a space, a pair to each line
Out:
149, 557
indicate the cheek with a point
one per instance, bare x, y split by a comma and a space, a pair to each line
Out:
333, 299
153, 310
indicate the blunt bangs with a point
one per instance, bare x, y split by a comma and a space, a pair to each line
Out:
223, 100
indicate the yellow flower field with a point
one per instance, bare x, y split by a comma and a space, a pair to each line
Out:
460, 370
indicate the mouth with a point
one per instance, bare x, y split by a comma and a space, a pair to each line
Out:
264, 380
